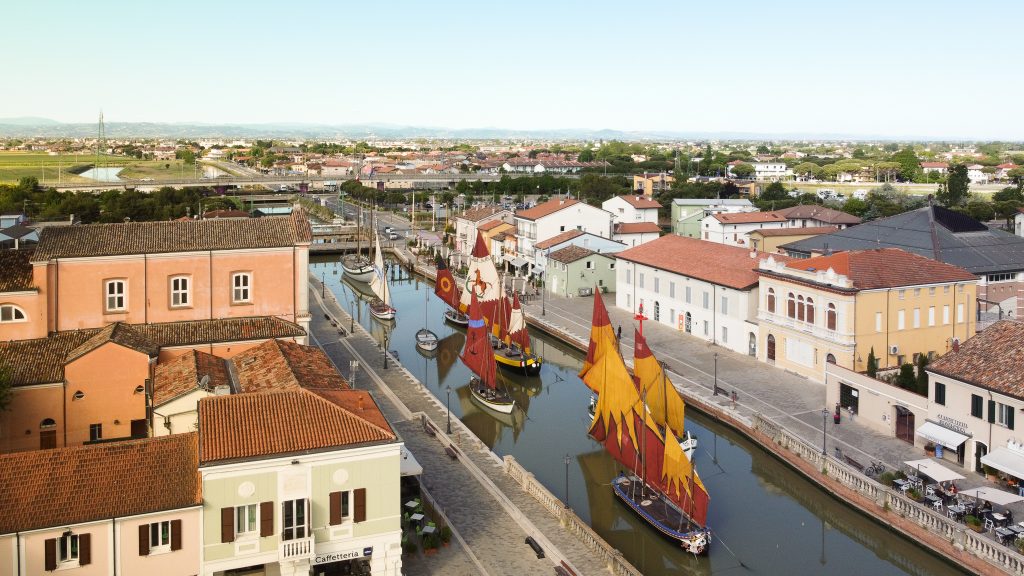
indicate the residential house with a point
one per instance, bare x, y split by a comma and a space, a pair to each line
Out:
733, 229
771, 171
489, 230
336, 167
651, 184
636, 233
701, 288
770, 240
554, 217
687, 213
814, 216
575, 270
976, 174
632, 208
940, 168
840, 308
117, 508
467, 223
573, 237
1003, 171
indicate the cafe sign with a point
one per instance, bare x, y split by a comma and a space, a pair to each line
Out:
330, 557
952, 424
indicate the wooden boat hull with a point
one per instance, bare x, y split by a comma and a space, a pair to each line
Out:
494, 400
426, 340
457, 318
360, 272
525, 364
655, 509
382, 311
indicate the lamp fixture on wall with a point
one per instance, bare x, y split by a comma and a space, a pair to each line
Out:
295, 462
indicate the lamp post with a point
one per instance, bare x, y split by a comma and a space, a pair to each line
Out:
824, 422
448, 405
385, 350
323, 284
566, 460
715, 391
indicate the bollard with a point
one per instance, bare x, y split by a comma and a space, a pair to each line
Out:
536, 547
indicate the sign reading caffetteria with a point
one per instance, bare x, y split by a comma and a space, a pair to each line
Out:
329, 557
953, 424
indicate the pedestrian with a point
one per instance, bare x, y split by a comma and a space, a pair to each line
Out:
618, 333
734, 398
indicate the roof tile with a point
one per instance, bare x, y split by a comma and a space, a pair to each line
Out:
885, 268
15, 270
182, 374
554, 240
640, 202
993, 359
278, 365
729, 266
637, 228
547, 208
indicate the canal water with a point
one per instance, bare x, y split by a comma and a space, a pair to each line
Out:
762, 513
109, 174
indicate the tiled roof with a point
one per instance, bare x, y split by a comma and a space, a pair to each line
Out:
934, 165
720, 264
748, 217
806, 231
640, 202
478, 214
41, 360
550, 207
490, 224
358, 402
885, 268
570, 254
821, 213
182, 374
65, 486
193, 332
225, 214
15, 270
276, 365
993, 359
163, 237
637, 228
119, 333
554, 240
278, 423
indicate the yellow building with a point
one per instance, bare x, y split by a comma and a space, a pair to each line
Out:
838, 308
769, 239
651, 184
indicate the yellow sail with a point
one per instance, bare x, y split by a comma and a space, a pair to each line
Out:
602, 340
663, 401
617, 398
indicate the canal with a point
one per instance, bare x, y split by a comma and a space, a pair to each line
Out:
763, 514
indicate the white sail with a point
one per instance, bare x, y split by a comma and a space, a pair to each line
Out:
516, 321
482, 278
379, 282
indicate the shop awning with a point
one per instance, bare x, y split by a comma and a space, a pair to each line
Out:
993, 495
409, 467
934, 470
1005, 460
517, 261
940, 435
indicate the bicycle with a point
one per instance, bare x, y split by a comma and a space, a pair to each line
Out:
875, 469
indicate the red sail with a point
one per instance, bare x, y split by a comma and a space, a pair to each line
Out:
619, 446
446, 288
478, 355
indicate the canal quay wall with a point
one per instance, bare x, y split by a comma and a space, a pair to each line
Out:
919, 524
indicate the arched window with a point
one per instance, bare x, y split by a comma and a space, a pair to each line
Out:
831, 318
771, 300
11, 313
810, 310
47, 423
800, 308
791, 306
831, 359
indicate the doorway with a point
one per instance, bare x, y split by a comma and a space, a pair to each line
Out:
752, 345
904, 424
689, 322
771, 348
980, 450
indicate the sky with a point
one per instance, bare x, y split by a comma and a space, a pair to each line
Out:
896, 68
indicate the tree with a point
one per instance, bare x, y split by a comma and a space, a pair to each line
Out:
586, 155
5, 388
807, 170
743, 171
957, 188
922, 376
906, 379
1009, 194
855, 206
1016, 175
775, 191
910, 165
872, 369
462, 187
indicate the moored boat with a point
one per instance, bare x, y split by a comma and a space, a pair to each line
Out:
380, 307
478, 356
426, 340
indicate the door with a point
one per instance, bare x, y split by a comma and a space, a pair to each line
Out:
139, 428
689, 322
980, 450
47, 439
657, 311
752, 345
771, 348
904, 424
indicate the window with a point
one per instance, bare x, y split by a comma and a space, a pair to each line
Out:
931, 291
810, 311
1004, 277
115, 291
771, 300
95, 432
940, 393
295, 524
629, 301
11, 313
901, 320
611, 265
657, 311
246, 519
791, 305
705, 327
959, 313
180, 291
976, 406
931, 315
589, 264
878, 321
917, 292
641, 280
241, 283
707, 300
671, 289
1004, 415
917, 317
629, 276
800, 308
725, 305
67, 548
902, 294
725, 334
687, 294
657, 285
160, 536
561, 228
945, 314
945, 289
831, 317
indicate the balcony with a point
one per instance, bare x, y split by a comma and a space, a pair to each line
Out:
822, 333
296, 549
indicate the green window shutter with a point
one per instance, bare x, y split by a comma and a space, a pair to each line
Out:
991, 410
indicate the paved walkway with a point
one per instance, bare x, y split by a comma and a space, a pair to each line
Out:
487, 510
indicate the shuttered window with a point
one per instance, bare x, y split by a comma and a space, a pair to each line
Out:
360, 504
227, 525
266, 518
976, 406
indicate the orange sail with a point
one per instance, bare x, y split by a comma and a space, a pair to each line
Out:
663, 401
517, 331
446, 288
680, 482
602, 341
478, 355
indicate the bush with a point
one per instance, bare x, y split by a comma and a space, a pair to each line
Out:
410, 547
886, 478
446, 534
972, 520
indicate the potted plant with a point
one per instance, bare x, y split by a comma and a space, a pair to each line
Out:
973, 522
914, 494
409, 547
929, 449
430, 544
446, 535
990, 473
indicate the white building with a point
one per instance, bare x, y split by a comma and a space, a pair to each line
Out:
934, 167
466, 225
735, 229
632, 208
700, 288
573, 237
1018, 223
975, 174
771, 171
636, 233
555, 217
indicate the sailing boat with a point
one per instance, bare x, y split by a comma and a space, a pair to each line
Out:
448, 291
660, 484
381, 306
478, 356
356, 266
513, 351
425, 339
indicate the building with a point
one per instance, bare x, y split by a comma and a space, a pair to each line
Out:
554, 217
975, 392
575, 270
733, 229
573, 237
687, 213
492, 229
1018, 222
940, 168
883, 408
651, 184
994, 256
814, 216
700, 288
117, 508
770, 240
636, 233
1003, 171
771, 171
843, 307
976, 174
467, 223
632, 208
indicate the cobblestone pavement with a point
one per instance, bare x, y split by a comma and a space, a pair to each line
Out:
487, 510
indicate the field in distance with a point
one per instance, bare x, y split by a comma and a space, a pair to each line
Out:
45, 167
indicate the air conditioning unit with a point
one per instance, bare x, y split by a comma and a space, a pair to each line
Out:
894, 350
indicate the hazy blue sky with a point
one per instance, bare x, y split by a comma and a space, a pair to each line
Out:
894, 68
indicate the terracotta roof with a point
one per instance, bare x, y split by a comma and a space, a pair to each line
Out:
41, 360
358, 402
554, 240
806, 231
182, 374
163, 237
885, 268
934, 165
119, 333
65, 486
193, 332
550, 207
225, 214
813, 211
277, 365
489, 225
478, 214
15, 270
993, 359
748, 217
728, 266
637, 228
640, 202
278, 423
570, 254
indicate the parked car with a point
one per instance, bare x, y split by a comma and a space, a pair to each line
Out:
393, 236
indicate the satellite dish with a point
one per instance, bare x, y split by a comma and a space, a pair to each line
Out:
204, 382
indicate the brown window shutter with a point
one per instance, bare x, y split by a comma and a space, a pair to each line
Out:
144, 540
175, 534
84, 549
335, 508
360, 508
50, 554
227, 525
266, 518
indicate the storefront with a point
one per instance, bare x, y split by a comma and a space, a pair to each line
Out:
349, 563
949, 442
1009, 463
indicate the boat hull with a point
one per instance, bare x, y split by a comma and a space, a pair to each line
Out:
456, 318
382, 311
426, 340
654, 508
360, 272
492, 399
525, 364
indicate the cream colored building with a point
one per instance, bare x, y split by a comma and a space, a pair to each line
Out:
838, 308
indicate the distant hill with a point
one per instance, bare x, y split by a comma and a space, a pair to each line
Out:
28, 121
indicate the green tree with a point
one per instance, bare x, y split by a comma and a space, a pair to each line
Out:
807, 170
1016, 175
957, 188
872, 369
5, 388
910, 164
775, 191
855, 206
743, 171
462, 187
586, 155
922, 376
1009, 194
906, 378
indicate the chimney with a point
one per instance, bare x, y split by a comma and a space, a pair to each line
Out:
360, 405
828, 251
71, 219
561, 201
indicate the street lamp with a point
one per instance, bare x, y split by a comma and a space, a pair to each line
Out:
448, 405
824, 422
566, 460
715, 391
385, 349
323, 284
